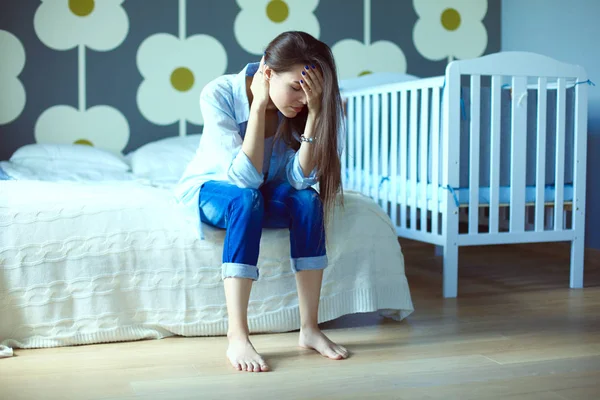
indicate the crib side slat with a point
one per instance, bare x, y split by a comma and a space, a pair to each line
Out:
518, 154
414, 94
435, 158
350, 157
540, 180
367, 137
495, 152
394, 160
344, 155
376, 133
358, 144
360, 150
385, 149
559, 180
424, 147
474, 154
403, 156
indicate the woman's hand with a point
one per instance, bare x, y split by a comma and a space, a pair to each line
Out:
312, 83
260, 86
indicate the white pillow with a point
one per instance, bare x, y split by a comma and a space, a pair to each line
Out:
67, 156
164, 160
25, 172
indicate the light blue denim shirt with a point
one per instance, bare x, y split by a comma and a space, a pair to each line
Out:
225, 110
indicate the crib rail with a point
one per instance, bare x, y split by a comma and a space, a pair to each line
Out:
497, 115
390, 143
549, 77
494, 152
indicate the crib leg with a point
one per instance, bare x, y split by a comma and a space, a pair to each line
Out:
438, 251
577, 252
450, 271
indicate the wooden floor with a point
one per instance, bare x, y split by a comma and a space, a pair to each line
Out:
515, 332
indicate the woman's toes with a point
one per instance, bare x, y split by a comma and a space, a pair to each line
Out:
256, 367
263, 365
332, 353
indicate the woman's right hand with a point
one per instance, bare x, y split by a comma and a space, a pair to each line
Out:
260, 85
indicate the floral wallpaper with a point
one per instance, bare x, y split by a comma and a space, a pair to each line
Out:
116, 74
456, 26
99, 26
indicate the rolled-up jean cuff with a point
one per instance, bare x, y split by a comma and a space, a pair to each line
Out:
234, 270
309, 263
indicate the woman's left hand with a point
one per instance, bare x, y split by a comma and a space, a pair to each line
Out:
312, 84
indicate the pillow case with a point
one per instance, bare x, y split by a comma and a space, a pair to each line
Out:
21, 172
51, 156
164, 160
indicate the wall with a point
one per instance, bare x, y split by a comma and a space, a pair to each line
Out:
567, 31
117, 74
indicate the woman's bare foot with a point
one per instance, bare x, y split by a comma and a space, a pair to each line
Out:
242, 354
313, 338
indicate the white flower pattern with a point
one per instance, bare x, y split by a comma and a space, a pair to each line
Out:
175, 71
101, 26
12, 91
99, 126
64, 24
354, 58
260, 21
450, 28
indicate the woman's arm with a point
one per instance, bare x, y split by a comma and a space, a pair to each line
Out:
254, 141
307, 161
221, 142
312, 84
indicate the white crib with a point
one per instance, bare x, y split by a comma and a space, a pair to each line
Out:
494, 152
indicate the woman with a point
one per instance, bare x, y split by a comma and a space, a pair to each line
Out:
270, 133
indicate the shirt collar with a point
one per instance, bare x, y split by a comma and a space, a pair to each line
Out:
240, 98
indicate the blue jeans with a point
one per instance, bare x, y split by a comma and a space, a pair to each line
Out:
245, 212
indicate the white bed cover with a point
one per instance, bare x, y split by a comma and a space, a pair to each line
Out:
101, 262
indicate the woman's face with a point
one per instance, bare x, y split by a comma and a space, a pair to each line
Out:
285, 90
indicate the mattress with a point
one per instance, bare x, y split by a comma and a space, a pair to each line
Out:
372, 182
99, 262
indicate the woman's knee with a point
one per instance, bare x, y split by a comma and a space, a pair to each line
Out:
249, 203
307, 199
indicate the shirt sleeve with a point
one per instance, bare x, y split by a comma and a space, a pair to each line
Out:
223, 138
294, 173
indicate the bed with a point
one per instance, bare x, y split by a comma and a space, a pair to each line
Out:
105, 255
492, 152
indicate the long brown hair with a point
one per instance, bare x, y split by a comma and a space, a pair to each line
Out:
283, 53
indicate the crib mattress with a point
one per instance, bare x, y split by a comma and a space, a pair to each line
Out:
86, 263
371, 183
